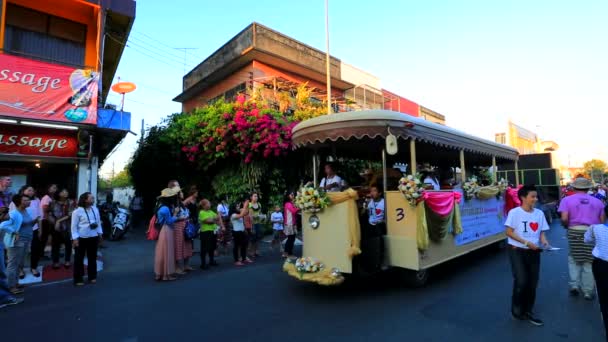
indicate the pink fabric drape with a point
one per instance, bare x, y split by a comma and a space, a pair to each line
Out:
441, 203
511, 199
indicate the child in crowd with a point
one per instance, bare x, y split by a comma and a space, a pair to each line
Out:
277, 226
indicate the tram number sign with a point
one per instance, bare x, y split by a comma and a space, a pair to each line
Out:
400, 214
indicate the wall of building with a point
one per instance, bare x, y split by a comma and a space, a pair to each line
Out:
245, 74
397, 103
431, 115
80, 12
269, 71
254, 72
359, 77
524, 140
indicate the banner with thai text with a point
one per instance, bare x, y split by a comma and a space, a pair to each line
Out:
43, 91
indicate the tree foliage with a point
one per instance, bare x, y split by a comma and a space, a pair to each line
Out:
120, 180
223, 130
595, 168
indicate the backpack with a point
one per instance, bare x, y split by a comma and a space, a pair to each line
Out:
154, 228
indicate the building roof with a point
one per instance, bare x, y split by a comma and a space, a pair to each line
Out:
258, 42
375, 123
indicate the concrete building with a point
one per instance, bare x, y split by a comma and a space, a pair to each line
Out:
57, 62
272, 63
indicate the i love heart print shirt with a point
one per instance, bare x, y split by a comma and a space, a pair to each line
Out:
376, 211
526, 225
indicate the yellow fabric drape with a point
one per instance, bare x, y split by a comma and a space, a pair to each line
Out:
457, 223
487, 192
422, 229
350, 196
323, 277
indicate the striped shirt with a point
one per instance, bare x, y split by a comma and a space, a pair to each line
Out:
598, 234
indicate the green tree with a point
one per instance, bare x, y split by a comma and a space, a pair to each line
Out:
595, 168
120, 180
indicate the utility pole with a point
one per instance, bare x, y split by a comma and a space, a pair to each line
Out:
112, 179
327, 62
141, 136
185, 55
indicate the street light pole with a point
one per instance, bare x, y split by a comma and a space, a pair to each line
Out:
327, 62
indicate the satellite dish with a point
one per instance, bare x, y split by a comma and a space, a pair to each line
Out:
391, 143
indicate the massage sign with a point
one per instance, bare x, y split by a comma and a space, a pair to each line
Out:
43, 91
19, 140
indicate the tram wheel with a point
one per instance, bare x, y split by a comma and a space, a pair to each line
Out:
413, 278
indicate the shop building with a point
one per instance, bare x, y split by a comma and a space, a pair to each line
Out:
273, 63
57, 61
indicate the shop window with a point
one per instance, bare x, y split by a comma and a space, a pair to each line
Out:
44, 37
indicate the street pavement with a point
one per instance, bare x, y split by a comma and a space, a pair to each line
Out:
466, 300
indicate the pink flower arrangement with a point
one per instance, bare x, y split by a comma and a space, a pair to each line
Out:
244, 130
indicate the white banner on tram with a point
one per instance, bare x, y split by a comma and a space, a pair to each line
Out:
480, 219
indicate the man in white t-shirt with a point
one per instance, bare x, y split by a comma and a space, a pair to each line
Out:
525, 229
331, 182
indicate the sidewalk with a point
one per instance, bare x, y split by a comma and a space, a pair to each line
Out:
48, 274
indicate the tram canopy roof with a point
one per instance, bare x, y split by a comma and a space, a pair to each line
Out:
372, 124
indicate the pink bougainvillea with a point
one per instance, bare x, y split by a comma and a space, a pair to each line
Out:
237, 129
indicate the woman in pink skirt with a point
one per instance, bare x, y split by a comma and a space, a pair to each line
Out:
167, 216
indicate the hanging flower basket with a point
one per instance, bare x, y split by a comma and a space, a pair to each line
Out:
411, 188
470, 188
312, 200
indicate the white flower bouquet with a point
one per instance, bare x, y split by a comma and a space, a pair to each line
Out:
311, 199
308, 265
411, 188
502, 184
470, 188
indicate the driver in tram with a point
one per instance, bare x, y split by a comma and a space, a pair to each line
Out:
429, 178
331, 182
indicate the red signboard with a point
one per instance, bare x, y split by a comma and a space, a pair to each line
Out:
32, 141
37, 90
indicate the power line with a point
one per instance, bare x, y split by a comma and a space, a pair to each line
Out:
160, 55
169, 51
160, 42
143, 53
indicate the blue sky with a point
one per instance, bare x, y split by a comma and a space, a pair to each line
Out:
542, 64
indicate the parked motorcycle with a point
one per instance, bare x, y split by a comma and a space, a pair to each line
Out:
120, 219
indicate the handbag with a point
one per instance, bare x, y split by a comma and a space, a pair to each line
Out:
191, 231
153, 230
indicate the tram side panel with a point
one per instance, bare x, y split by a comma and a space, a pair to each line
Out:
482, 223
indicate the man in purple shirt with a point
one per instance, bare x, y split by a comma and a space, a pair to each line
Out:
578, 212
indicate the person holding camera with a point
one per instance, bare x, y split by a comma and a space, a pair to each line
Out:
86, 235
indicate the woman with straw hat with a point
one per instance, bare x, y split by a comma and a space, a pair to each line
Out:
578, 212
167, 215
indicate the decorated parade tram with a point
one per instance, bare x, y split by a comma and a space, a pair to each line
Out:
423, 227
